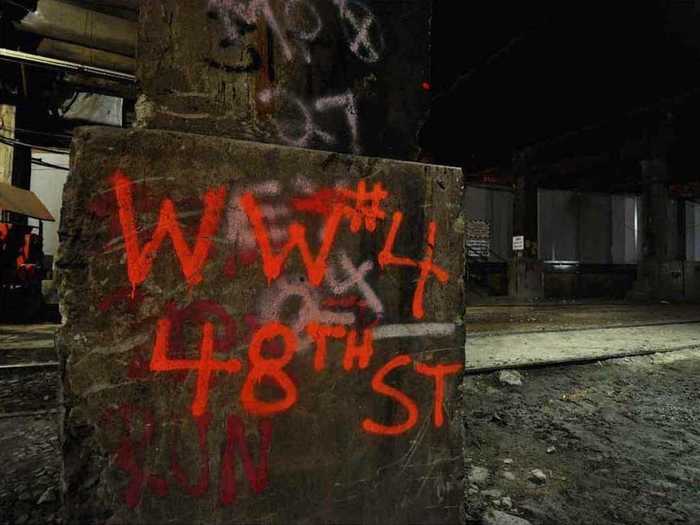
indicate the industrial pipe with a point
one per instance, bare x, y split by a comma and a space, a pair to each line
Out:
85, 55
131, 5
64, 65
75, 24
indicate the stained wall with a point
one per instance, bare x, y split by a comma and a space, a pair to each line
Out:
259, 334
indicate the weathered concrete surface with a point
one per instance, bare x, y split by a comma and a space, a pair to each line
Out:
132, 450
340, 75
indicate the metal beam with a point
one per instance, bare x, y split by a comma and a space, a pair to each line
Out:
48, 47
103, 86
63, 65
131, 5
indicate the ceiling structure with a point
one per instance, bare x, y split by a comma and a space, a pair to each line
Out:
507, 76
54, 52
504, 76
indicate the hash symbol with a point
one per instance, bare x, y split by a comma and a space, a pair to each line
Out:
367, 207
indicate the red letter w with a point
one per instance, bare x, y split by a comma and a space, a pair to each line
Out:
139, 261
273, 263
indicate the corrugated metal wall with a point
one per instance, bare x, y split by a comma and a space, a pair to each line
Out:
692, 229
558, 235
626, 229
589, 228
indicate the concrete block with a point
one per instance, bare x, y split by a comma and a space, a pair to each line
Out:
212, 375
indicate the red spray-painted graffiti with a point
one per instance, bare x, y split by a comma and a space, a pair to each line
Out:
205, 365
351, 314
132, 450
191, 261
387, 258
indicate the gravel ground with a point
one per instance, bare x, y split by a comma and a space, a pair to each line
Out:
30, 459
28, 389
615, 442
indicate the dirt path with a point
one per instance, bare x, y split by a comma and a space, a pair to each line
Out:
30, 456
618, 442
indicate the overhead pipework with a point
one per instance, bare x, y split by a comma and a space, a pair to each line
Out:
48, 47
63, 65
130, 5
75, 24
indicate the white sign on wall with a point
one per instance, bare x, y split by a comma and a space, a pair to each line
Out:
478, 238
518, 242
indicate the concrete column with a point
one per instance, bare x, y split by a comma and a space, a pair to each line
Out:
655, 177
525, 276
344, 269
660, 274
525, 217
337, 75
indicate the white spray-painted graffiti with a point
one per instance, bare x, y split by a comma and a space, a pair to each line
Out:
361, 30
301, 24
308, 30
296, 27
236, 15
239, 232
284, 291
304, 130
355, 279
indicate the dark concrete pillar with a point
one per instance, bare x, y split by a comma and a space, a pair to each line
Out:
661, 272
657, 200
287, 346
338, 75
525, 276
